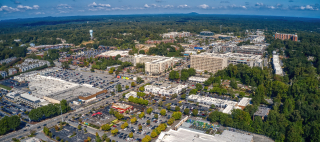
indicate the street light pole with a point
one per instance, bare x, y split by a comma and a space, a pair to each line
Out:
61, 112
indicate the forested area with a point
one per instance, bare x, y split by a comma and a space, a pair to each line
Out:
121, 31
8, 124
295, 111
49, 111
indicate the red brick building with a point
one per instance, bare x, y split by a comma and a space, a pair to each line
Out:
293, 37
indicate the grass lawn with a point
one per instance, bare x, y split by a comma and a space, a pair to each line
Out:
5, 87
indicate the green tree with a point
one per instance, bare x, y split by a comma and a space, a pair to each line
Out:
119, 88
177, 115
106, 127
177, 108
191, 72
155, 116
148, 122
183, 96
198, 86
233, 84
131, 135
154, 134
141, 115
163, 112
186, 111
133, 84
79, 127
184, 76
195, 112
149, 110
139, 80
127, 87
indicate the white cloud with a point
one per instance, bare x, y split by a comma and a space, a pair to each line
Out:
183, 6
94, 6
168, 6
259, 4
18, 8
64, 6
38, 13
146, 6
203, 6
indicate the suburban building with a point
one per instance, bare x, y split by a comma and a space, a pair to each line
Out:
282, 36
186, 135
120, 107
276, 65
225, 106
165, 90
213, 62
153, 64
12, 71
132, 93
263, 112
112, 54
29, 64
8, 60
208, 62
257, 49
206, 33
3, 74
160, 41
27, 99
12, 96
47, 47
197, 79
176, 34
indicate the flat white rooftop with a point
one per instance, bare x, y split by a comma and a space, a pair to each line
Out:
185, 135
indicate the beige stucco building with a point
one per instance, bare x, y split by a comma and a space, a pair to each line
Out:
213, 62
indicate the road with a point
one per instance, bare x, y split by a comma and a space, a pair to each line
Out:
53, 121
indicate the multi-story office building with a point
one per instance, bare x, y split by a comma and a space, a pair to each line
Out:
175, 34
282, 36
213, 62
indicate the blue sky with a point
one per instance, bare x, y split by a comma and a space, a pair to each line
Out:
12, 9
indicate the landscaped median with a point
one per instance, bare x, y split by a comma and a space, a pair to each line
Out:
5, 87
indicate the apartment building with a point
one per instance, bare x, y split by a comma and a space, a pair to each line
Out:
158, 66
205, 61
159, 41
8, 60
213, 62
282, 36
175, 34
29, 64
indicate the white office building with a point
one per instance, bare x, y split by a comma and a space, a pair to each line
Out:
165, 90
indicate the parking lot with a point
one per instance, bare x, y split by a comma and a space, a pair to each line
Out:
68, 131
9, 108
102, 81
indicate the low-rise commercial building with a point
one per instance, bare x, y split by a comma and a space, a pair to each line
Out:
112, 54
121, 107
187, 135
132, 93
165, 90
175, 34
27, 99
226, 106
213, 62
160, 41
197, 79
